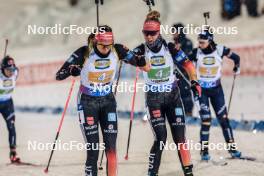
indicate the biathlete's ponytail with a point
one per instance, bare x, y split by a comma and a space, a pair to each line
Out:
152, 22
153, 16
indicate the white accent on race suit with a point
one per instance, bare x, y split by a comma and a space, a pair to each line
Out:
162, 67
209, 67
99, 72
7, 86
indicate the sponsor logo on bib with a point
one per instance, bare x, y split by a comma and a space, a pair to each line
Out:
101, 77
157, 60
209, 61
102, 63
7, 83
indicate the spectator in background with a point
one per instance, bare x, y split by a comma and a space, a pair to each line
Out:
252, 7
181, 41
232, 8
73, 2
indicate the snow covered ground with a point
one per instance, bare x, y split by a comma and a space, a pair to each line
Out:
42, 128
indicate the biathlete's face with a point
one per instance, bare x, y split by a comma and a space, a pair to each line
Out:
104, 42
104, 49
9, 72
203, 44
151, 36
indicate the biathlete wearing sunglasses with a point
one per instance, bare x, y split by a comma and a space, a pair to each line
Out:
163, 97
8, 77
97, 64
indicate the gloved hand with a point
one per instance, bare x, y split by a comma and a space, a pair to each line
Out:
196, 89
74, 70
236, 69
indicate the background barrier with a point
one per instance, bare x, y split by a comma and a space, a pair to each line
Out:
45, 72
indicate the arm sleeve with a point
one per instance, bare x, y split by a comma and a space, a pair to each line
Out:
231, 55
192, 55
77, 58
178, 56
129, 56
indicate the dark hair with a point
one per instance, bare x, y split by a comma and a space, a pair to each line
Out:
104, 28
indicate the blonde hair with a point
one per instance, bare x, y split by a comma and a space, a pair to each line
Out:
153, 16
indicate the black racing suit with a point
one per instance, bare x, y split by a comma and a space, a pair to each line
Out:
186, 94
7, 107
8, 112
162, 105
216, 96
95, 110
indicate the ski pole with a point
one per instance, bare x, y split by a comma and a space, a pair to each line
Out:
231, 94
118, 76
132, 113
6, 44
60, 125
117, 82
97, 12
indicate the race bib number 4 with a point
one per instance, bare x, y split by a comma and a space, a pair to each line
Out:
3, 92
101, 77
161, 74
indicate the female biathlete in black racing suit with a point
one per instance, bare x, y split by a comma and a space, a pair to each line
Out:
208, 58
97, 64
163, 96
8, 77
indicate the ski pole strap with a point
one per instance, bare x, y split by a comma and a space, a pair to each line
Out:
206, 16
150, 3
101, 2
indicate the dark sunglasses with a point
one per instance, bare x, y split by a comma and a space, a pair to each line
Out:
151, 33
11, 69
202, 42
105, 46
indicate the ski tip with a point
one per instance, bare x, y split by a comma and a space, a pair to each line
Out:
126, 157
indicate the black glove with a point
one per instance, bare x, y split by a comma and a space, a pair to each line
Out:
74, 70
141, 61
236, 69
62, 74
196, 89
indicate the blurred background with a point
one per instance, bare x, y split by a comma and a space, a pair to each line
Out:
40, 56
